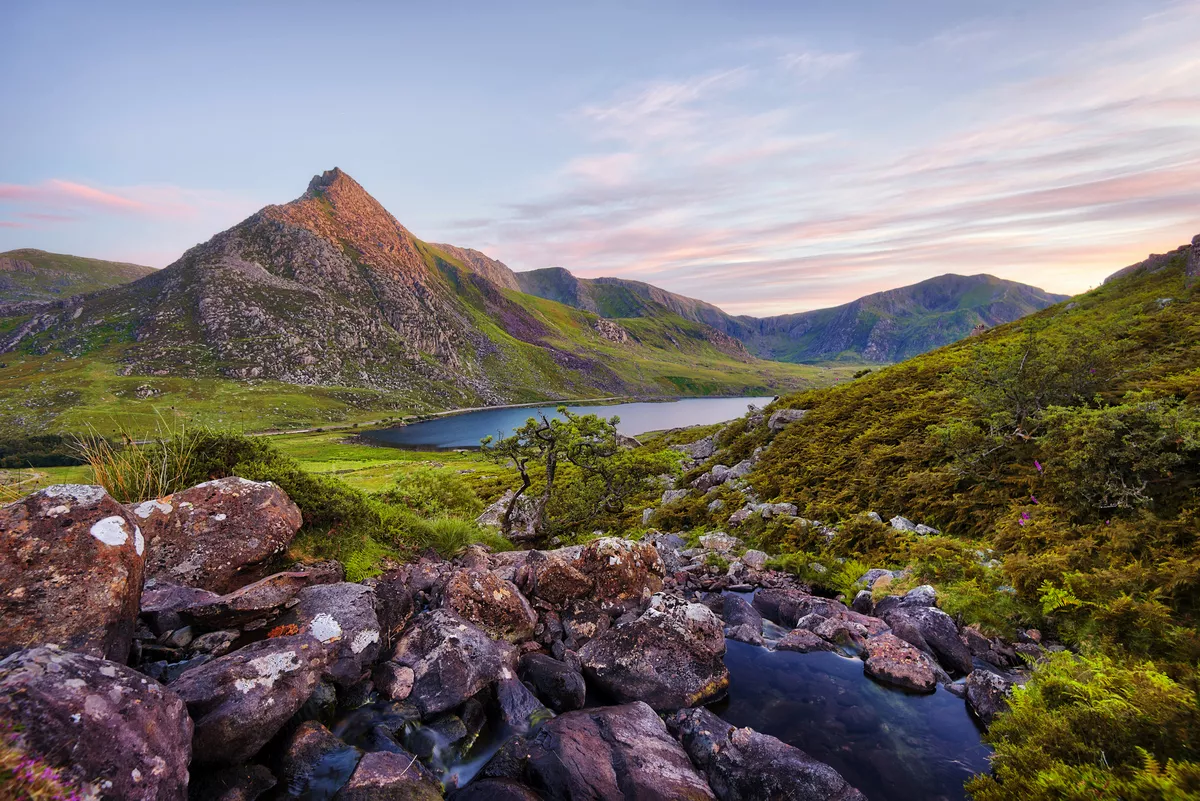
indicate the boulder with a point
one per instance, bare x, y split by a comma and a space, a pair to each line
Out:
934, 632
672, 495
520, 709
670, 657
219, 535
559, 687
253, 604
388, 776
891, 660
582, 621
525, 521
700, 450
342, 616
742, 621
925, 595
313, 759
802, 641
746, 765
987, 694
394, 605
616, 752
71, 565
491, 603
394, 682
553, 577
787, 606
755, 559
624, 573
240, 783
719, 541
106, 727
903, 524
162, 603
715, 477
863, 603
451, 660
784, 417
240, 701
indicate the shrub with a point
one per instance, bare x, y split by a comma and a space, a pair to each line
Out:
432, 492
1094, 727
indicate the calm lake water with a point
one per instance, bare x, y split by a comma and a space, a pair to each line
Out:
465, 430
891, 745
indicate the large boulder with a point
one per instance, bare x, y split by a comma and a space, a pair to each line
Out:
556, 683
784, 417
891, 660
670, 657
105, 726
342, 617
624, 573
553, 577
493, 604
219, 535
451, 660
787, 606
934, 632
745, 765
987, 694
389, 776
742, 621
240, 701
616, 752
71, 568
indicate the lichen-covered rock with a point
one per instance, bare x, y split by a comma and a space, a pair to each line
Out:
553, 577
624, 574
342, 616
894, 661
755, 559
670, 657
525, 522
746, 765
162, 603
987, 694
219, 535
784, 417
71, 569
934, 632
106, 726
387, 776
719, 541
258, 602
557, 684
802, 641
493, 604
392, 681
616, 752
394, 605
239, 701
451, 660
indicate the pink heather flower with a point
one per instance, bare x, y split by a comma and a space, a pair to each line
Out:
1038, 465
1021, 522
1033, 498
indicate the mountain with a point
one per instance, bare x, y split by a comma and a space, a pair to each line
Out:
35, 275
330, 290
884, 327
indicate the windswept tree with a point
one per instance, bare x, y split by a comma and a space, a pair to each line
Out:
581, 468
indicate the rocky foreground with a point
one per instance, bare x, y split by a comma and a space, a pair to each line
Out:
157, 651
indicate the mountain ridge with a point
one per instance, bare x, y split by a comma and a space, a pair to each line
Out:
29, 275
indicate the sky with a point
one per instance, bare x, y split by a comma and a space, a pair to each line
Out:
768, 157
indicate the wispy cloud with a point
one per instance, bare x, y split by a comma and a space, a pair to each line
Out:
1085, 163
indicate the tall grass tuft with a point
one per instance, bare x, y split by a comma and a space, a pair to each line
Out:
138, 470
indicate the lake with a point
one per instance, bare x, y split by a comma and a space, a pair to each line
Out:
465, 430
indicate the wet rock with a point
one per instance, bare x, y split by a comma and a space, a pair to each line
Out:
162, 602
742, 621
802, 641
787, 606
669, 657
784, 417
342, 616
520, 710
394, 682
745, 765
558, 686
241, 783
239, 701
894, 661
218, 535
261, 601
385, 776
492, 604
554, 578
103, 725
625, 574
495, 790
719, 541
844, 632
71, 565
862, 602
610, 753
451, 660
987, 694
314, 760
934, 632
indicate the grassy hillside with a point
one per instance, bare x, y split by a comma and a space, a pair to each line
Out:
35, 275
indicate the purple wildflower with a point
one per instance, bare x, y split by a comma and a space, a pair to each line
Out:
1038, 465
1033, 498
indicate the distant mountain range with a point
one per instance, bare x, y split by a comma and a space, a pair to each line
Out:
35, 275
331, 291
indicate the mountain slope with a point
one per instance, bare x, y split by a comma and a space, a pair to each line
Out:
35, 275
330, 290
884, 327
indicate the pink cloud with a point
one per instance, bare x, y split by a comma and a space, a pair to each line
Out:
59, 200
